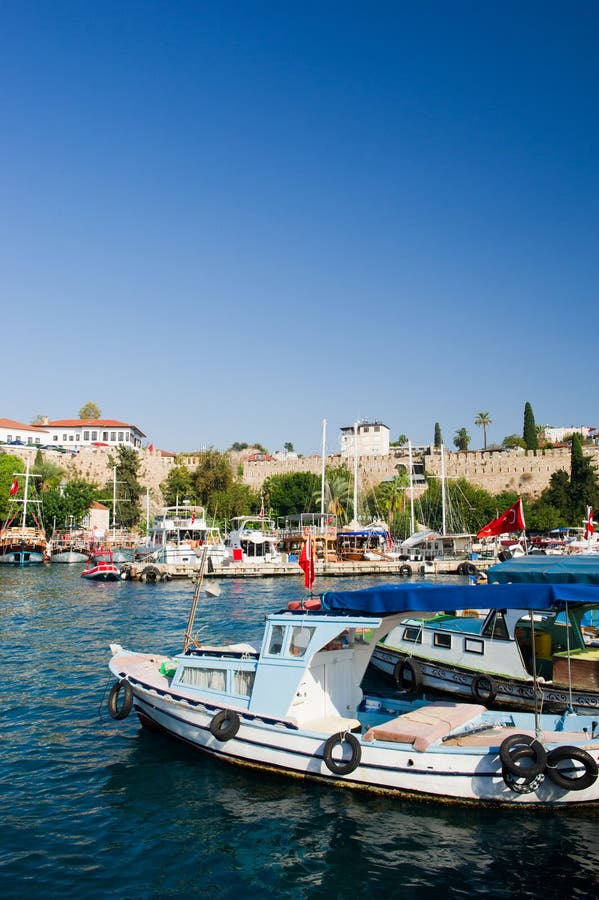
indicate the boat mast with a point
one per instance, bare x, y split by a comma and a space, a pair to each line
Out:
26, 492
324, 432
114, 503
355, 522
411, 488
443, 530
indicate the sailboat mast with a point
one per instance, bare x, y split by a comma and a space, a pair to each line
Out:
443, 530
26, 493
355, 473
324, 437
411, 488
113, 503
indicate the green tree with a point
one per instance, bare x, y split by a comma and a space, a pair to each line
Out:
288, 446
9, 465
438, 440
584, 490
338, 493
39, 419
390, 499
238, 500
50, 473
461, 440
291, 493
68, 503
529, 433
178, 486
128, 488
511, 441
483, 419
90, 411
212, 475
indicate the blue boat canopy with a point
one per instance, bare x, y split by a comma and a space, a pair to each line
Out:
425, 597
579, 569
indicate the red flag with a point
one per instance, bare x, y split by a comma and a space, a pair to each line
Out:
13, 488
306, 561
261, 513
193, 515
589, 525
150, 448
511, 520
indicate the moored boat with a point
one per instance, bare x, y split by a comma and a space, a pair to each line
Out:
23, 544
101, 567
294, 705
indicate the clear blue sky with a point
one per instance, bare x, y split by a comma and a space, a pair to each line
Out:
227, 221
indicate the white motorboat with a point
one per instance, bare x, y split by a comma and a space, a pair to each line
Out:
294, 706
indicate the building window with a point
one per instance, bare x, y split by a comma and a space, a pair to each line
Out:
71, 437
9, 438
121, 436
94, 435
104, 435
54, 437
30, 440
113, 435
65, 437
86, 435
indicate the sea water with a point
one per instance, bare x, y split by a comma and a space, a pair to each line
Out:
92, 807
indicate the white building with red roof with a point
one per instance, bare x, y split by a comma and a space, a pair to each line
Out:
12, 432
77, 433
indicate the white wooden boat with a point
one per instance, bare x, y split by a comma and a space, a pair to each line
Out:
23, 542
294, 706
178, 535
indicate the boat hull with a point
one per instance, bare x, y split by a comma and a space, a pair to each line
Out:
455, 774
22, 557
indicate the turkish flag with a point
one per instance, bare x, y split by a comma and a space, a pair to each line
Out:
589, 525
193, 516
14, 488
511, 520
306, 561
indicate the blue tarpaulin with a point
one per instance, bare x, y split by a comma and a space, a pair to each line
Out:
425, 597
579, 569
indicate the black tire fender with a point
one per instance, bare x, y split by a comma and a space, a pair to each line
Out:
469, 569
575, 782
224, 725
461, 569
405, 570
407, 674
342, 767
483, 689
122, 711
150, 574
522, 746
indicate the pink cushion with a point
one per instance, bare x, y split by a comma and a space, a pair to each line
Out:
421, 727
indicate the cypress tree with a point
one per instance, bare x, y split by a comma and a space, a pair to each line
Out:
438, 439
584, 490
530, 429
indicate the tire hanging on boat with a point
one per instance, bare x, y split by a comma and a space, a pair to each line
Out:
224, 725
405, 570
469, 569
483, 689
575, 782
342, 766
522, 785
122, 711
518, 747
151, 574
407, 674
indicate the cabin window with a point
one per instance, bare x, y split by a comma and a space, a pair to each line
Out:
300, 638
442, 640
243, 683
275, 644
362, 635
471, 645
496, 627
414, 635
210, 679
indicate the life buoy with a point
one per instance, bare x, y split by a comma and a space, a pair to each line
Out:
224, 725
122, 711
150, 574
573, 782
484, 689
407, 674
518, 747
342, 766
405, 570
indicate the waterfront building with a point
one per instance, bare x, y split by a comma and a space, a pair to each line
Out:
366, 438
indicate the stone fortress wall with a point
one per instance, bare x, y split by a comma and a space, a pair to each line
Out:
494, 470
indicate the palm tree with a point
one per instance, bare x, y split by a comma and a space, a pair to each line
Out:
461, 439
484, 420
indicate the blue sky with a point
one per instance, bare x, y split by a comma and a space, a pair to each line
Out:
227, 221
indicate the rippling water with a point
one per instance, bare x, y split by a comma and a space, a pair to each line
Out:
91, 807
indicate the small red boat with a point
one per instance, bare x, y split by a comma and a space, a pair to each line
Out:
100, 567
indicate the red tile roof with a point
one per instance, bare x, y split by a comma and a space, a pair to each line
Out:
92, 423
10, 423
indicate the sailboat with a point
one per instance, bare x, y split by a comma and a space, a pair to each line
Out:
22, 544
